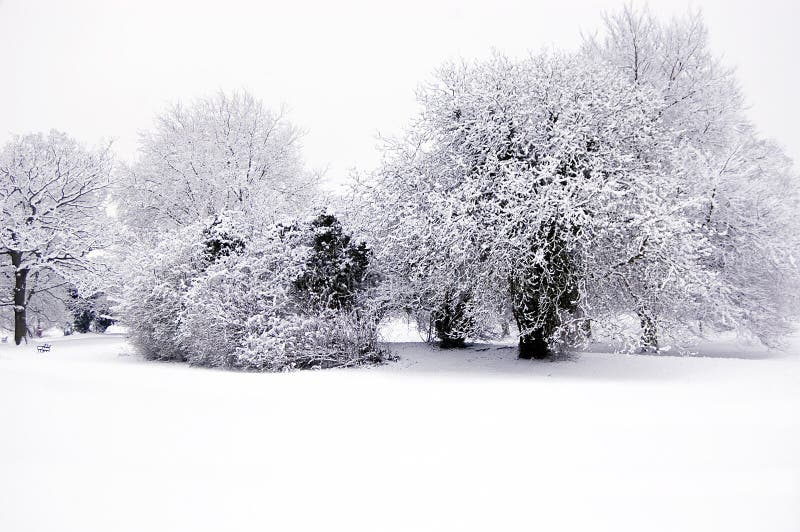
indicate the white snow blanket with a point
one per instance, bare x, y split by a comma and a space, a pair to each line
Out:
95, 439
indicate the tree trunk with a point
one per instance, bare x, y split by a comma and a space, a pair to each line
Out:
585, 326
452, 342
506, 328
649, 331
450, 323
540, 294
534, 345
532, 339
20, 305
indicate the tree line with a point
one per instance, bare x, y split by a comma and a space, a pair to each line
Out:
615, 193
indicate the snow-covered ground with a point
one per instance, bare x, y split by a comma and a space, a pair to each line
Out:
92, 438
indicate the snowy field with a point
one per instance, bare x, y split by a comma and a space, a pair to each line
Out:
95, 439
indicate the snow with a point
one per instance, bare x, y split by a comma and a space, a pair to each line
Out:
96, 439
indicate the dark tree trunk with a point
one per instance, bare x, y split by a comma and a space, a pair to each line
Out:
450, 324
534, 345
452, 343
20, 304
446, 326
532, 334
649, 330
540, 294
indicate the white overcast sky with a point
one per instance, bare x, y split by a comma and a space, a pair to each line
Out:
347, 69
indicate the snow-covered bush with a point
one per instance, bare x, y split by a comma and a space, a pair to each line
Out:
238, 295
154, 288
295, 341
273, 299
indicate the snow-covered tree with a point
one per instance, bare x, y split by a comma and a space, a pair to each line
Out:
225, 152
211, 181
751, 200
539, 185
701, 96
744, 189
53, 201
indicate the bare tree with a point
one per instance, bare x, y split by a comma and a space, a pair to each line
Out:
52, 196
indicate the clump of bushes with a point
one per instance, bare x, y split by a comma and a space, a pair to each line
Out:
223, 294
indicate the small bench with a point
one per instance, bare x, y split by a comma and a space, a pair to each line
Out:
43, 348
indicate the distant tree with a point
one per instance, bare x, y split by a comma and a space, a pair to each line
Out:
90, 313
81, 310
225, 152
743, 192
52, 214
701, 96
